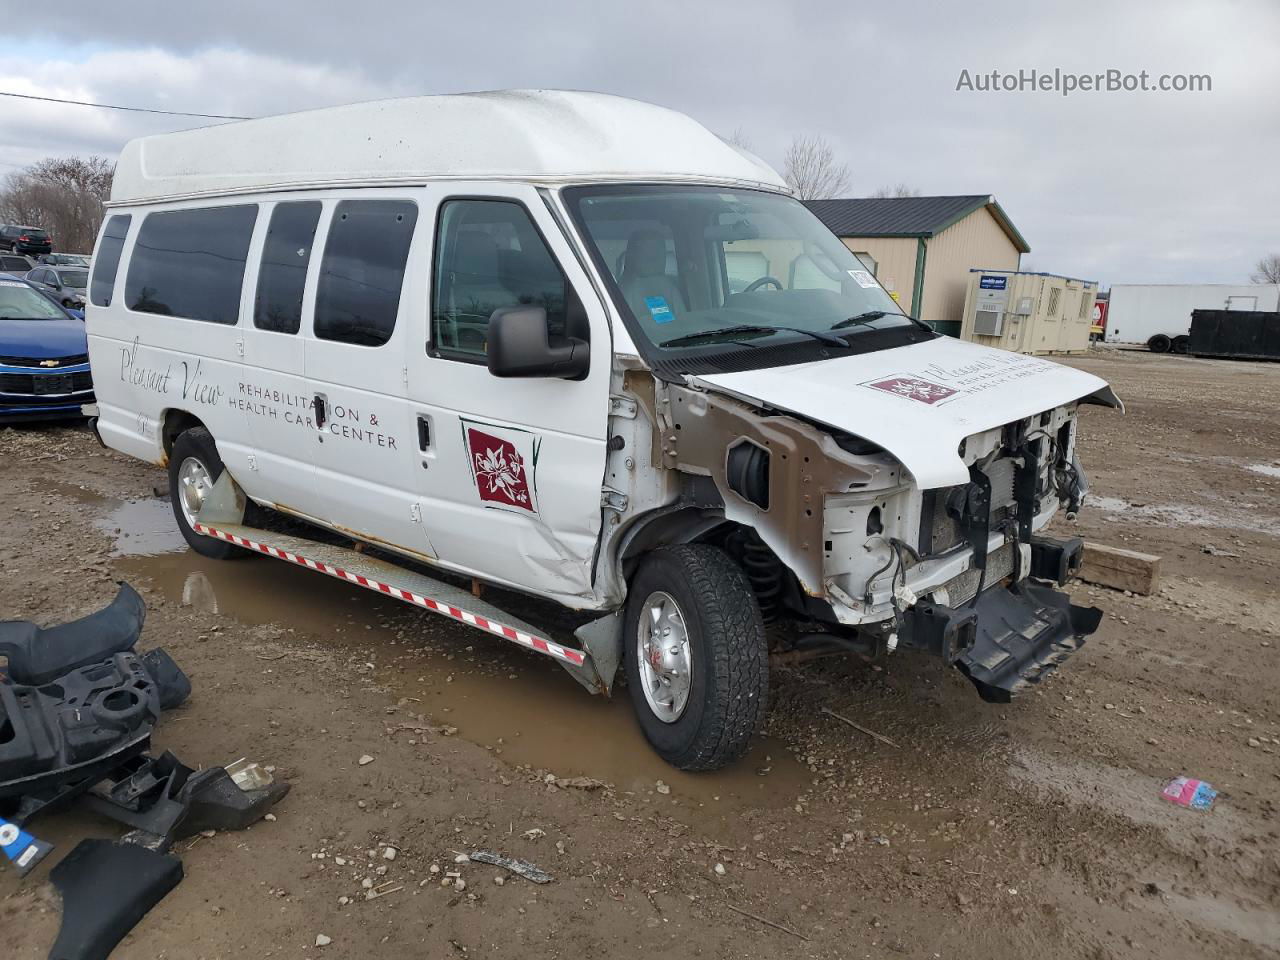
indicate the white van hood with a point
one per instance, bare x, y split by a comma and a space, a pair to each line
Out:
917, 401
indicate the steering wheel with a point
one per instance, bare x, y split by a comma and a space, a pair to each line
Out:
757, 284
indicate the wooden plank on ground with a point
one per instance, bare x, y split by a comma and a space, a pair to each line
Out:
1120, 569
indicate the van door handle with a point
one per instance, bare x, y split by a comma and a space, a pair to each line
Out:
424, 432
318, 404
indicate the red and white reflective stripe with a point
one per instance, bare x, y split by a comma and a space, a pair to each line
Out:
540, 644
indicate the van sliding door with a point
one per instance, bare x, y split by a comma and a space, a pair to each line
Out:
364, 315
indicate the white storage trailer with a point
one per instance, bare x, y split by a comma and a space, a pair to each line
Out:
1159, 314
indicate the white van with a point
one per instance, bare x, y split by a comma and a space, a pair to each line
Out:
578, 347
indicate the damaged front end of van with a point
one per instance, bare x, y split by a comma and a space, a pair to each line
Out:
897, 499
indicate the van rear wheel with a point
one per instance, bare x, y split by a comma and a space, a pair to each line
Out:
194, 467
696, 656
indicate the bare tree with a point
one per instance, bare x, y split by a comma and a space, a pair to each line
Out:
898, 190
1267, 270
740, 139
811, 169
64, 195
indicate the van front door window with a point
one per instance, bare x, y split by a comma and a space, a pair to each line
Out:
489, 255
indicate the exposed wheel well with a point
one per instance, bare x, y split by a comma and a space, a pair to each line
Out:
175, 422
775, 585
683, 525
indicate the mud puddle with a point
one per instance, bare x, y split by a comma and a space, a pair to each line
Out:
141, 528
522, 706
138, 527
75, 492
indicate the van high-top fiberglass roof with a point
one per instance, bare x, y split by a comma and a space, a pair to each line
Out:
546, 136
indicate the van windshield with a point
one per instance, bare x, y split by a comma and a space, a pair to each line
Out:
704, 268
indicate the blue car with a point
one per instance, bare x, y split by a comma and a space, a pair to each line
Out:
44, 357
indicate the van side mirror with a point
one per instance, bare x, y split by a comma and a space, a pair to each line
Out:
519, 345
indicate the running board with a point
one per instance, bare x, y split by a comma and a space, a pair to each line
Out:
420, 590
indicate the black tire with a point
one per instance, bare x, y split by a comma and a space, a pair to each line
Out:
729, 689
197, 444
1180, 344
1159, 343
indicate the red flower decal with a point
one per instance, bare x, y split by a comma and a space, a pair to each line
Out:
914, 388
499, 470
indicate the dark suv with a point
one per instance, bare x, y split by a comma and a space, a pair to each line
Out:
28, 240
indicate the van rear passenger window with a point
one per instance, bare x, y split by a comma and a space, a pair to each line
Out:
107, 261
190, 263
363, 269
283, 274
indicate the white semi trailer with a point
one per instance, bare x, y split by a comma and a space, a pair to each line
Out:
1159, 314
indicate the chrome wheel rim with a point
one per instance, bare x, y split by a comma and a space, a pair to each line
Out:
194, 485
666, 662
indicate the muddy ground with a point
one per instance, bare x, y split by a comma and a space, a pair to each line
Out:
1034, 830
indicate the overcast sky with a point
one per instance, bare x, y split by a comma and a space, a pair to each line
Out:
1118, 187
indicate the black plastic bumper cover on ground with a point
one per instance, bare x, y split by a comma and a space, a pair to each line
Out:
1023, 632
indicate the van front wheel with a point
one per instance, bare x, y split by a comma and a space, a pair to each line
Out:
696, 656
194, 467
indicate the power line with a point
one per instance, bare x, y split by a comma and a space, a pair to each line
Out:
110, 106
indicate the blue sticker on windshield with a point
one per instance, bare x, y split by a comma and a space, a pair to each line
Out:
659, 309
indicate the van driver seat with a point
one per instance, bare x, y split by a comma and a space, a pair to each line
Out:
644, 274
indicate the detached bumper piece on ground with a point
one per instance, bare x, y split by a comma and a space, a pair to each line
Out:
77, 709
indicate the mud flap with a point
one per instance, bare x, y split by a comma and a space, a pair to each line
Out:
1024, 632
602, 641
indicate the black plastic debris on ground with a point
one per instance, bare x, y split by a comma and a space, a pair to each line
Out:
107, 887
77, 709
38, 655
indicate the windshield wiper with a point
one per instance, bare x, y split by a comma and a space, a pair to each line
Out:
862, 319
717, 332
866, 319
689, 338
